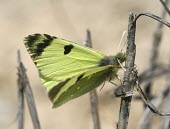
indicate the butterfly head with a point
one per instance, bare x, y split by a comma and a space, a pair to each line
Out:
121, 57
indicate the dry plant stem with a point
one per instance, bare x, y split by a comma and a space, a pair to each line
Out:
144, 77
20, 96
93, 93
145, 99
157, 39
167, 104
165, 3
156, 42
148, 103
29, 96
31, 103
167, 108
148, 115
135, 81
153, 60
153, 17
94, 109
151, 106
129, 64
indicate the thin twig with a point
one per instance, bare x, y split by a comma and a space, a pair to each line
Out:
167, 104
165, 3
93, 93
154, 55
129, 64
167, 108
153, 17
157, 39
144, 77
20, 114
144, 98
152, 108
29, 96
31, 105
148, 115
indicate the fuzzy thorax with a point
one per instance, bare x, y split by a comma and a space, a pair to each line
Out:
113, 60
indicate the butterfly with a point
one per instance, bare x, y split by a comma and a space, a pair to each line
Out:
69, 70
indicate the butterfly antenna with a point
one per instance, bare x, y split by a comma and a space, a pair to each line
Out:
123, 46
121, 40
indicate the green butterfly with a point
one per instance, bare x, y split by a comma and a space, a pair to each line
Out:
69, 70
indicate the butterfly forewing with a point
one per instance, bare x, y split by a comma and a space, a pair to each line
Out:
58, 59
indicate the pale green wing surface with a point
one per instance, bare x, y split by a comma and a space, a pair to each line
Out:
58, 59
79, 85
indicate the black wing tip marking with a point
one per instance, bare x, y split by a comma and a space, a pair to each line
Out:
36, 43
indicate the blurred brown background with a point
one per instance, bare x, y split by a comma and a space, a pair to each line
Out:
69, 19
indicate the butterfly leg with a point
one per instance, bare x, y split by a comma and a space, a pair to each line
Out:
116, 76
103, 84
111, 81
121, 66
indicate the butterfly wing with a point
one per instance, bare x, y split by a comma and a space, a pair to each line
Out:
78, 85
67, 69
58, 59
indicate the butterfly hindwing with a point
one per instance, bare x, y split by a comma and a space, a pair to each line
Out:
58, 59
78, 85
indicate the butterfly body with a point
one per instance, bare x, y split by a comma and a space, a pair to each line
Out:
69, 70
